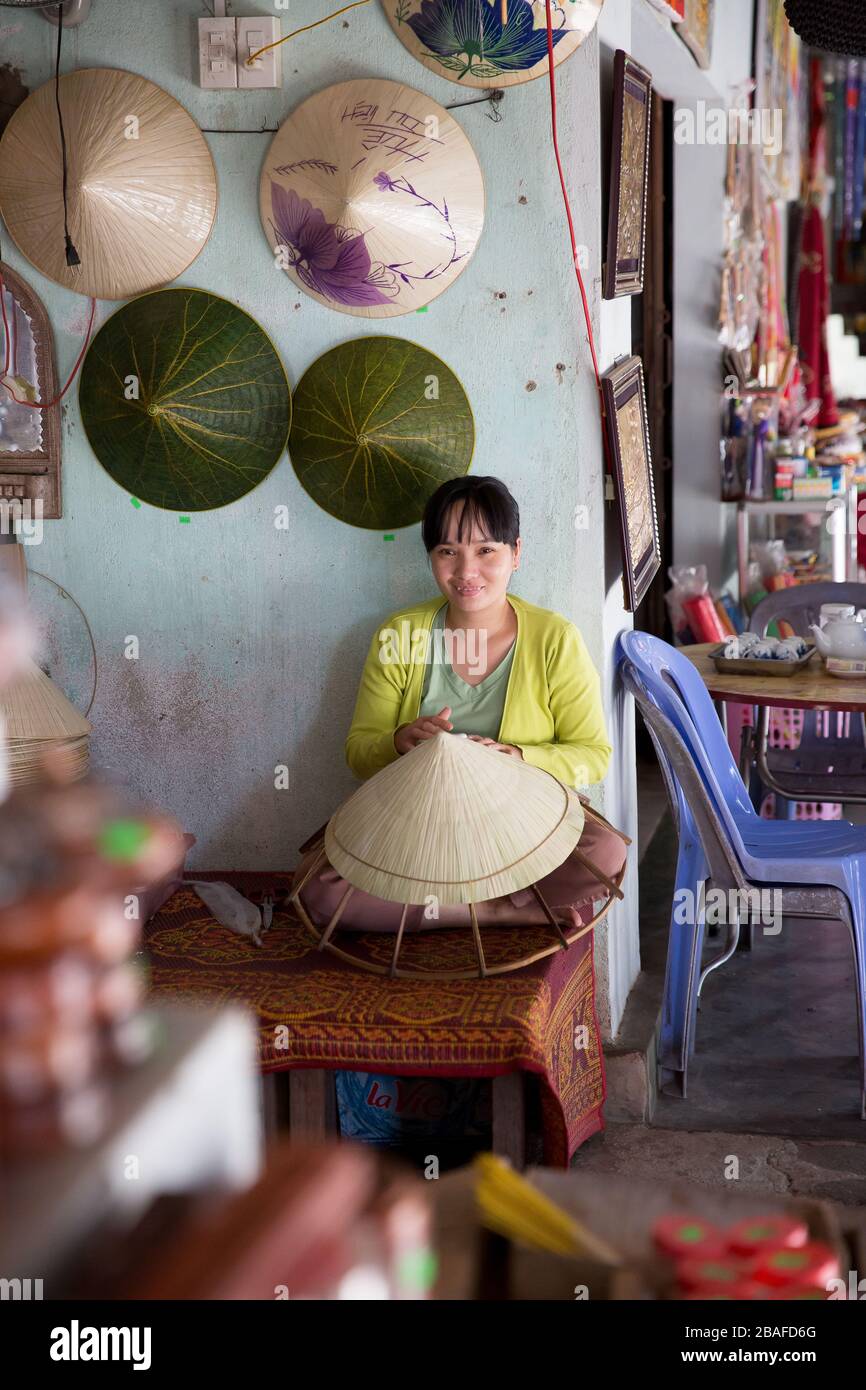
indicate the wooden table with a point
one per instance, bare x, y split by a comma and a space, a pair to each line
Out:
811, 688
318, 1014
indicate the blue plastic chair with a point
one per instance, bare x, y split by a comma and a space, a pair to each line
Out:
818, 867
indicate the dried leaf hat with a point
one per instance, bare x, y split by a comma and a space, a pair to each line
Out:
184, 400
377, 425
141, 183
371, 198
459, 823
490, 43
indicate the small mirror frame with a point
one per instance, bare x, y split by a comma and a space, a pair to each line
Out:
35, 476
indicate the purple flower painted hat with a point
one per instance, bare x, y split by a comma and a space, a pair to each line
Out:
372, 198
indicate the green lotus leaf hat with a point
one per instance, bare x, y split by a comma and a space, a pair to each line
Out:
377, 425
185, 400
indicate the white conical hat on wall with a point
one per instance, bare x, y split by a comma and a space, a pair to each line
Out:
455, 820
141, 185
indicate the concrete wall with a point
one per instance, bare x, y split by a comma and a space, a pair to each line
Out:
251, 639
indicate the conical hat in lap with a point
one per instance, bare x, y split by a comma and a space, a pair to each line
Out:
453, 820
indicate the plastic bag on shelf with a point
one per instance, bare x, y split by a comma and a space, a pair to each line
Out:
770, 557
688, 582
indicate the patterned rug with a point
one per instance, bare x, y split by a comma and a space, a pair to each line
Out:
315, 1010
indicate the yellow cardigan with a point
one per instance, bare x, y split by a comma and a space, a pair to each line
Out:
553, 709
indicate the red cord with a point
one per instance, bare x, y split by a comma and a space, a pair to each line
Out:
586, 314
40, 405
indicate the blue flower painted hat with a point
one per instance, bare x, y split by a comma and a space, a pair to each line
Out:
490, 43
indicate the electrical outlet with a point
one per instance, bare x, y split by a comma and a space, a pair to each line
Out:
252, 34
217, 53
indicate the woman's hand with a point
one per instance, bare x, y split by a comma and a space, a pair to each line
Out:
408, 736
500, 747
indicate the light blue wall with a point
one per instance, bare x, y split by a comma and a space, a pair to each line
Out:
251, 639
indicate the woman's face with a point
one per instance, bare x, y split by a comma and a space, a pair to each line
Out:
472, 572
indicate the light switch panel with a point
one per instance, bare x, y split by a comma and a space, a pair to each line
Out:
253, 34
217, 53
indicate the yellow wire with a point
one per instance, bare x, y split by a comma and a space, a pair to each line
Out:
354, 5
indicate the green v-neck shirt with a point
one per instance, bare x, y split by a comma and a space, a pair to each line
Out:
475, 709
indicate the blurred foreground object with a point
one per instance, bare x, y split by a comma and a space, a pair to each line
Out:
185, 1120
75, 860
324, 1221
630, 1216
69, 923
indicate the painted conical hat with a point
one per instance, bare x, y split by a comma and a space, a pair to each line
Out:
35, 708
372, 198
455, 820
142, 191
490, 43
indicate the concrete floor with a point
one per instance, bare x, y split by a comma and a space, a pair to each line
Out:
781, 1167
774, 1081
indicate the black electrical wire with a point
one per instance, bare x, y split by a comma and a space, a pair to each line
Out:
72, 256
494, 96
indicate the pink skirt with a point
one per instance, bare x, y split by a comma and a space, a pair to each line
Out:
572, 885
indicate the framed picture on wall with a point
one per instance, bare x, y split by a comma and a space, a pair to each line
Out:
628, 436
629, 172
696, 30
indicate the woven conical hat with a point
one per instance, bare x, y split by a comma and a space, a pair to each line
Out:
140, 209
372, 198
454, 820
35, 708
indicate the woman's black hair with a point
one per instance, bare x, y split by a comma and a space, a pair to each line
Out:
486, 502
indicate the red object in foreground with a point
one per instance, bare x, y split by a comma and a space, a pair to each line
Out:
680, 1236
810, 1266
759, 1234
712, 1276
807, 1291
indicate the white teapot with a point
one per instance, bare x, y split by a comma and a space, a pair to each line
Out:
845, 638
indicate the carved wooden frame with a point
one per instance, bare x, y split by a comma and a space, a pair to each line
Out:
35, 476
624, 274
